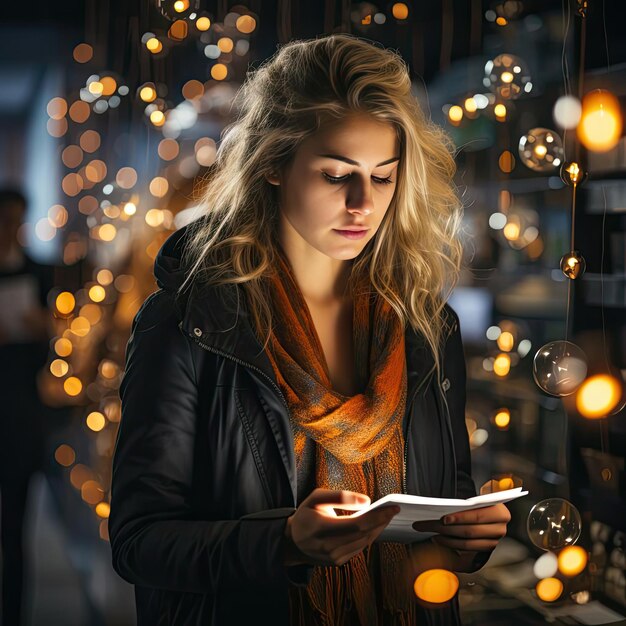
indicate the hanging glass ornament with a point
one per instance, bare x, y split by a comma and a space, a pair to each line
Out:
573, 264
553, 524
507, 76
572, 174
541, 149
559, 368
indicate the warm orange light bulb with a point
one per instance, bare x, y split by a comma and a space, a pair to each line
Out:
600, 125
572, 560
598, 396
549, 589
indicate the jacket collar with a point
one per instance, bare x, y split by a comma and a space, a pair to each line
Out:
215, 316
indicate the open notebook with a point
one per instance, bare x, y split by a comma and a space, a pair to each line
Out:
420, 508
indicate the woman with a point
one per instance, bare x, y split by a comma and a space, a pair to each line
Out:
286, 365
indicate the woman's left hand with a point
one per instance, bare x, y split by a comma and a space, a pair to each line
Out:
476, 530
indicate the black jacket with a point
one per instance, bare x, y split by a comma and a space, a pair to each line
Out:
204, 473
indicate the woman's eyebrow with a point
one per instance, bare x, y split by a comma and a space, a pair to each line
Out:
352, 162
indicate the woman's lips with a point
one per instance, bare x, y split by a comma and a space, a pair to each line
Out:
351, 234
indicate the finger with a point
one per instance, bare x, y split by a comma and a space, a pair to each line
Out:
473, 531
329, 496
484, 515
466, 544
362, 524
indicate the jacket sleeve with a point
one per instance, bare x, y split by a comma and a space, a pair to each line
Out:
156, 539
455, 372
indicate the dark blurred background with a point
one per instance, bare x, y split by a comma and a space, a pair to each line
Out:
110, 112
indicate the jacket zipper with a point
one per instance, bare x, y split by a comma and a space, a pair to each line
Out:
240, 361
450, 434
408, 430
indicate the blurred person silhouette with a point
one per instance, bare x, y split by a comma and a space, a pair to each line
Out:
24, 285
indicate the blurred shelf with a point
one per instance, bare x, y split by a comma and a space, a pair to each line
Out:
607, 290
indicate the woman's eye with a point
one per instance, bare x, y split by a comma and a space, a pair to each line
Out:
333, 180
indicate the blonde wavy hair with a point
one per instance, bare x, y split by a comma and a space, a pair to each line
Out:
414, 259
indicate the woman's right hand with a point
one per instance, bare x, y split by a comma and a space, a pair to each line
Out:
318, 537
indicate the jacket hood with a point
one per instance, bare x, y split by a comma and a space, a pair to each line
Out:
168, 269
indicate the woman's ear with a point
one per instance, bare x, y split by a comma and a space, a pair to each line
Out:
272, 178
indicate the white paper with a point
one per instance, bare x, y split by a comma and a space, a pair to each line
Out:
18, 296
420, 508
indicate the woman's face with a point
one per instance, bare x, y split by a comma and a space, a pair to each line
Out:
362, 154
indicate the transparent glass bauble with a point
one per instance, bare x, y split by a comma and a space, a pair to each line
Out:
507, 76
553, 524
541, 150
559, 368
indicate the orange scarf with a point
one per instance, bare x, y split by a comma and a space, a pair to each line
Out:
359, 443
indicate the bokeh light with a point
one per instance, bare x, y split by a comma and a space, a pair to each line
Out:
549, 589
63, 347
126, 177
79, 111
103, 509
245, 24
219, 71
546, 565
59, 368
168, 149
80, 326
72, 386
507, 76
567, 112
97, 293
147, 92
157, 118
600, 125
95, 421
57, 108
598, 396
502, 418
436, 586
572, 560
89, 141
104, 277
65, 303
91, 492
158, 186
154, 45
455, 113
541, 150
82, 53
400, 11
203, 23
64, 455
502, 365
